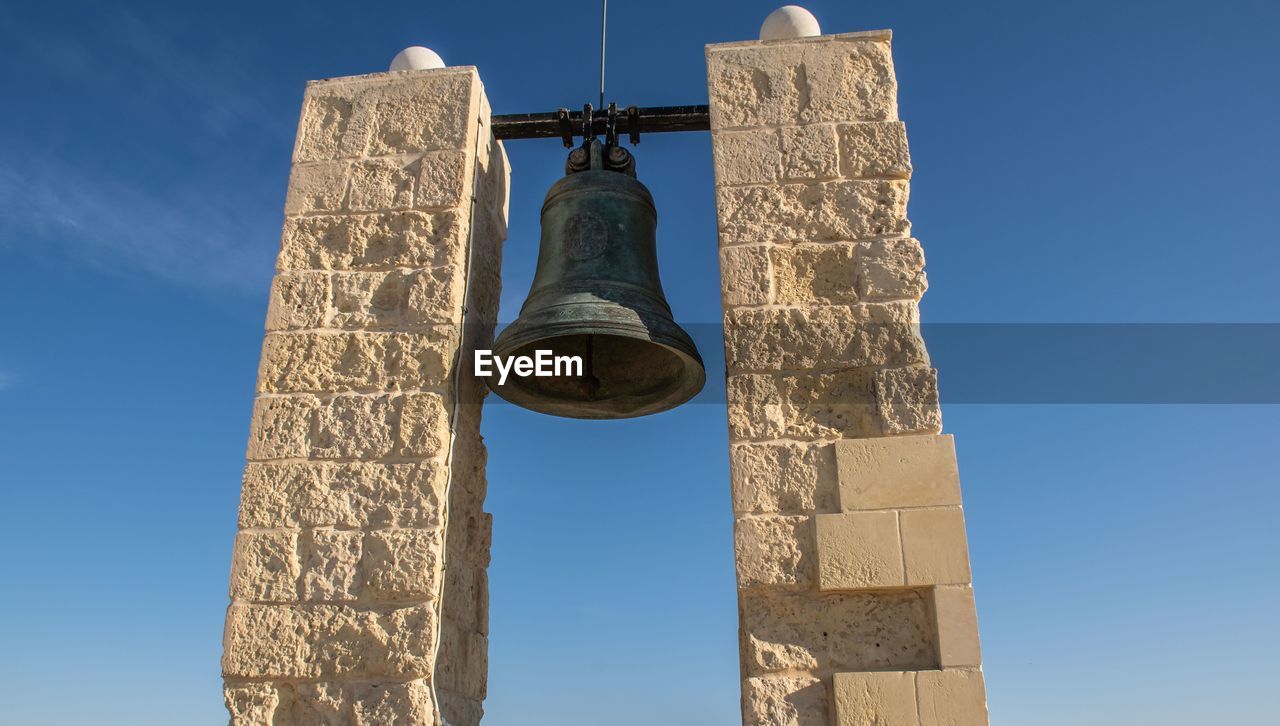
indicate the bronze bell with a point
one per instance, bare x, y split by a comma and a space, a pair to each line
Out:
596, 295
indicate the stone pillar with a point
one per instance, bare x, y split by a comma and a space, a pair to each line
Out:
854, 591
358, 590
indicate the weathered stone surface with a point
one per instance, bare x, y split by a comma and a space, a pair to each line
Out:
952, 698
853, 631
466, 596
324, 641
265, 566
356, 362
898, 471
907, 400
401, 564
875, 149
431, 113
746, 157
464, 662
745, 275
773, 551
934, 546
316, 494
810, 153
298, 300
830, 405
442, 181
892, 269
251, 704
355, 427
875, 699
363, 241
825, 212
397, 298
281, 427
378, 184
784, 701
859, 550
459, 710
330, 564
317, 187
815, 274
782, 478
957, 626
325, 131
857, 336
755, 407
424, 425
355, 704
832, 78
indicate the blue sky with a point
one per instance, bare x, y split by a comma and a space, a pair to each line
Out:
1075, 162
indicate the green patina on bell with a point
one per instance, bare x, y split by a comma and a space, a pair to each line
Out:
596, 295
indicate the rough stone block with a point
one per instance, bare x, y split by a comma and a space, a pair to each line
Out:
382, 184
316, 494
934, 546
825, 212
325, 130
459, 710
397, 298
793, 339
891, 269
430, 111
815, 274
265, 567
355, 704
859, 551
848, 631
442, 181
898, 471
907, 399
784, 701
401, 564
755, 407
782, 478
464, 661
810, 153
875, 149
773, 551
251, 704
838, 404
952, 698
956, 625
363, 241
317, 187
298, 300
330, 564
466, 596
281, 427
746, 157
832, 78
355, 427
424, 425
875, 699
324, 641
338, 362
745, 275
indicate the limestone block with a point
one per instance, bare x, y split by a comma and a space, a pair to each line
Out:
934, 546
378, 184
442, 180
298, 300
464, 661
325, 130
330, 564
773, 551
874, 149
782, 478
891, 269
746, 157
815, 274
326, 641
838, 404
356, 362
898, 471
745, 275
397, 298
829, 78
810, 153
956, 623
784, 701
859, 550
355, 704
424, 425
952, 698
856, 336
435, 111
265, 566
466, 596
363, 241
401, 564
281, 427
355, 427
459, 710
824, 212
875, 699
251, 704
907, 400
315, 494
848, 631
755, 407
317, 187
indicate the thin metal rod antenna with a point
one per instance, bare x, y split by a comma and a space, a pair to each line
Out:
604, 18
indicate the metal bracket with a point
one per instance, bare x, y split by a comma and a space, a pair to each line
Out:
565, 124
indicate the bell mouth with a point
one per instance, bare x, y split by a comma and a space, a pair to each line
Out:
619, 375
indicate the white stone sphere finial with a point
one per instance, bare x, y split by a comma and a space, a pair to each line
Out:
416, 58
789, 21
